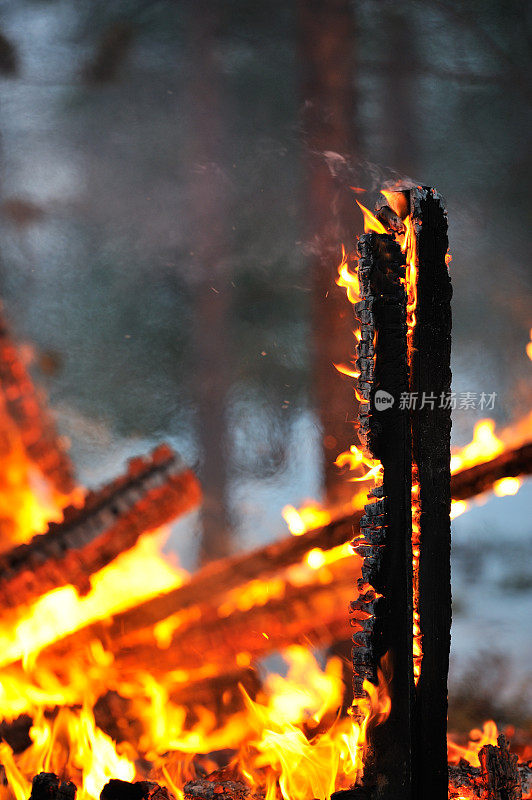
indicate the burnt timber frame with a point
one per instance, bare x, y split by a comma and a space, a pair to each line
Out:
407, 754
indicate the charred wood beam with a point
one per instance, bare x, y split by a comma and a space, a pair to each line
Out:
152, 492
313, 615
24, 404
430, 377
480, 478
385, 588
219, 576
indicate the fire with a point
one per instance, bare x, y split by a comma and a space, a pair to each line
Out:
354, 458
484, 445
477, 740
348, 280
27, 501
291, 738
507, 486
299, 734
134, 576
458, 507
70, 745
311, 515
290, 741
371, 223
529, 346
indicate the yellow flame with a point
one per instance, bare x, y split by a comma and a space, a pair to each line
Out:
134, 576
371, 223
484, 446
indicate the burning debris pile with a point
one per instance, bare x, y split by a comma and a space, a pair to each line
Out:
117, 666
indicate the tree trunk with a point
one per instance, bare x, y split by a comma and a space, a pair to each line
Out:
326, 47
210, 276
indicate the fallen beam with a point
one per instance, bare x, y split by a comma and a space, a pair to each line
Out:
314, 615
153, 491
480, 478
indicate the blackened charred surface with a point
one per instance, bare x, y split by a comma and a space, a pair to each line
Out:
117, 789
431, 429
386, 525
47, 786
390, 219
500, 773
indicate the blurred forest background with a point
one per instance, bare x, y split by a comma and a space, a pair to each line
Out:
174, 194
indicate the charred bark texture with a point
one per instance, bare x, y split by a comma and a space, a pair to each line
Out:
153, 491
500, 773
386, 526
430, 379
47, 786
139, 790
499, 777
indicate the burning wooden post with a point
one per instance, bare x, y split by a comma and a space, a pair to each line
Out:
384, 607
405, 592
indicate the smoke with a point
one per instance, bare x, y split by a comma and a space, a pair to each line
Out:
349, 172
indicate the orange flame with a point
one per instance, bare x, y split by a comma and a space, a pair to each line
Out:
477, 740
